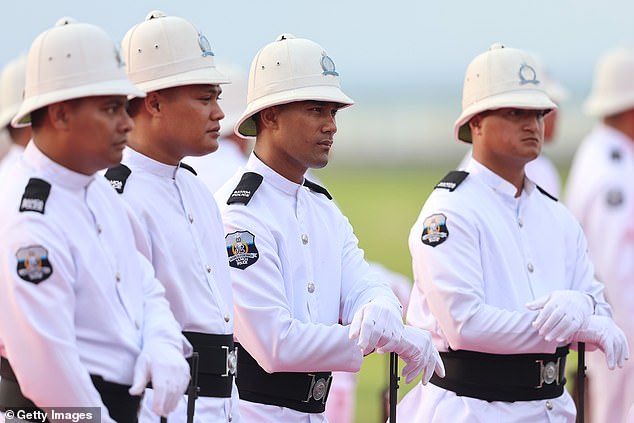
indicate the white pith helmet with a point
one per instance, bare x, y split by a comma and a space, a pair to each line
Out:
613, 84
168, 51
287, 70
12, 89
71, 60
500, 77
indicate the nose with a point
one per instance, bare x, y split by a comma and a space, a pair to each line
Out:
216, 112
331, 124
534, 120
127, 123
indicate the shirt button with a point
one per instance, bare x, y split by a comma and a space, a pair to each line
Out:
98, 229
227, 318
118, 277
304, 239
230, 418
549, 404
136, 325
191, 218
311, 287
208, 267
530, 267
520, 222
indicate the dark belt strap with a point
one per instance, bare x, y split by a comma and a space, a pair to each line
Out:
304, 392
216, 363
504, 377
122, 407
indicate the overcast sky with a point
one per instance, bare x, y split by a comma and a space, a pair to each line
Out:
403, 61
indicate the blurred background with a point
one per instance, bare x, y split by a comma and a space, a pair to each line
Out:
403, 62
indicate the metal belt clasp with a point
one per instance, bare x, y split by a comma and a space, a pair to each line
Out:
318, 389
231, 364
549, 372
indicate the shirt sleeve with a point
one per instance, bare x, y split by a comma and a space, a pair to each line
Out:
37, 299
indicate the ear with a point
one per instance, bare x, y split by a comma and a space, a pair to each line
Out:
269, 117
475, 124
152, 102
59, 114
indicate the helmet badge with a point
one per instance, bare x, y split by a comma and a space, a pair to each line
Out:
327, 65
527, 75
205, 47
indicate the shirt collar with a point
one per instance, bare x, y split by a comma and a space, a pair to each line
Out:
138, 160
54, 172
271, 176
495, 181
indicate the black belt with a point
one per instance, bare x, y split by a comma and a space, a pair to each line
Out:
122, 407
217, 363
305, 392
504, 377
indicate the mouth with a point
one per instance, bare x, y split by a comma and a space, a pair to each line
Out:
326, 143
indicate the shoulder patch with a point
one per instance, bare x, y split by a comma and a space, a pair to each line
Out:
248, 185
317, 188
543, 191
188, 167
35, 195
435, 230
117, 176
33, 265
452, 180
241, 249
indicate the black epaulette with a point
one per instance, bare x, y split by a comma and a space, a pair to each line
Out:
546, 193
248, 185
317, 188
35, 196
188, 167
452, 180
117, 176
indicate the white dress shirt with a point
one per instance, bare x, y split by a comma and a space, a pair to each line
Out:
600, 193
499, 253
307, 274
76, 296
182, 224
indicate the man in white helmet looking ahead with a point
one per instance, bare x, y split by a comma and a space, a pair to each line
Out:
171, 60
502, 277
296, 268
82, 317
600, 194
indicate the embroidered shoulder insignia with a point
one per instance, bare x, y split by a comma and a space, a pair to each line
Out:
543, 191
188, 167
35, 196
241, 249
435, 230
33, 265
317, 188
117, 176
452, 180
248, 185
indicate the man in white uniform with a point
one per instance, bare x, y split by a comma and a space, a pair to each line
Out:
11, 93
601, 195
169, 59
82, 316
501, 273
297, 270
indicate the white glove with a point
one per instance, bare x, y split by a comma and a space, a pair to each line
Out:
378, 324
602, 332
169, 372
562, 313
419, 354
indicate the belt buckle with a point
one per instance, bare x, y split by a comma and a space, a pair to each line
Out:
318, 388
549, 372
231, 361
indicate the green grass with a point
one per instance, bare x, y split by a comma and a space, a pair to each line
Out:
382, 205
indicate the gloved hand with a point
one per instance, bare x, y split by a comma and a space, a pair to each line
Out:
602, 332
169, 372
420, 355
377, 324
562, 313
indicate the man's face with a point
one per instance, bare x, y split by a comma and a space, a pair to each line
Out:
508, 136
99, 129
190, 120
305, 134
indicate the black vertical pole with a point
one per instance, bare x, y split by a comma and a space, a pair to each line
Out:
393, 385
581, 380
